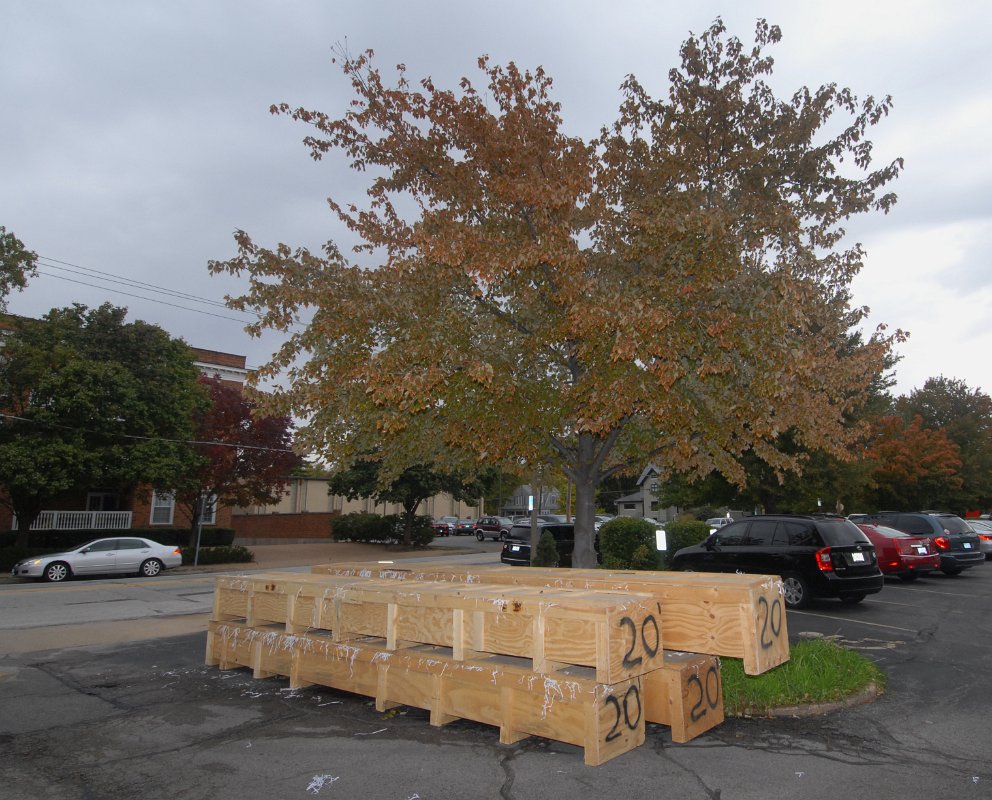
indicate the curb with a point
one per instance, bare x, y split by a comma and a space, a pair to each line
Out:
867, 695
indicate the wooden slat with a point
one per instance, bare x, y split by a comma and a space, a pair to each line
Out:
686, 694
738, 616
616, 633
605, 720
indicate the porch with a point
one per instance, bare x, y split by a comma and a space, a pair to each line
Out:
80, 520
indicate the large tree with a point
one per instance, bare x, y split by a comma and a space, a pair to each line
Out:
965, 416
17, 264
244, 457
91, 400
675, 290
409, 488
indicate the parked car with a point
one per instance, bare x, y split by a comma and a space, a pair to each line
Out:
516, 546
958, 545
984, 530
816, 556
447, 522
128, 555
464, 527
902, 554
441, 528
496, 528
718, 522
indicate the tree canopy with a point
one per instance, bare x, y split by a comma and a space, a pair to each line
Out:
17, 264
244, 457
675, 290
92, 400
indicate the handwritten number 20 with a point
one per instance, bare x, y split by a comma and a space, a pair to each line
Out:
650, 640
623, 711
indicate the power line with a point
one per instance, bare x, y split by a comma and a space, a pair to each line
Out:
147, 438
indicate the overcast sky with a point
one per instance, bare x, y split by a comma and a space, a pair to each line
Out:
135, 136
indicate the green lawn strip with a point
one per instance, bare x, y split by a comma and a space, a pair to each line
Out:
818, 671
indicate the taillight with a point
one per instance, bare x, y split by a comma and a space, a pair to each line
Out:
177, 552
823, 560
986, 536
942, 542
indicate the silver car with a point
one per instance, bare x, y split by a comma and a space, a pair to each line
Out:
983, 528
129, 555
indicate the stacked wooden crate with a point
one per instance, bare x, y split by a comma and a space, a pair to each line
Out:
584, 665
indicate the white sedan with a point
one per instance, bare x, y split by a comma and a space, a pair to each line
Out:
128, 555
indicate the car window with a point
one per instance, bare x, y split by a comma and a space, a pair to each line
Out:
731, 535
891, 533
913, 523
131, 544
520, 532
103, 546
841, 532
801, 535
762, 532
953, 524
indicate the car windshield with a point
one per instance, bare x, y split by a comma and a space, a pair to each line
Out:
892, 533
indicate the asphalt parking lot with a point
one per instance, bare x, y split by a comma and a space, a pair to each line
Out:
147, 719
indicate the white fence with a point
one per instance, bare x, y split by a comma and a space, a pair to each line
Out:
81, 520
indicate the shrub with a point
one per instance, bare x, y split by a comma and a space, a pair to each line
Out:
628, 543
546, 554
373, 528
235, 554
683, 533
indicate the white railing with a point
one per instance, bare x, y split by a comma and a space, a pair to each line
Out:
81, 520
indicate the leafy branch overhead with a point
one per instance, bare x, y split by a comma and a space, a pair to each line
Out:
675, 289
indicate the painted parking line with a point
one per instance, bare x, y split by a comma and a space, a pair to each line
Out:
916, 589
914, 631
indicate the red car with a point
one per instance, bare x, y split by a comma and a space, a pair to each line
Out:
902, 554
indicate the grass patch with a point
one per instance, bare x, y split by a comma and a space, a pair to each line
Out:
818, 671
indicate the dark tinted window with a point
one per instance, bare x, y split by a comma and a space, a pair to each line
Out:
131, 544
732, 535
891, 533
840, 532
762, 532
953, 524
520, 532
918, 524
801, 535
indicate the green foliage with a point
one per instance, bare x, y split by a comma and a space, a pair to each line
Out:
546, 554
17, 263
97, 401
818, 671
684, 533
59, 541
235, 554
628, 543
381, 529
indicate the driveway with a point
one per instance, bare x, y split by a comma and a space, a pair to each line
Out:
147, 719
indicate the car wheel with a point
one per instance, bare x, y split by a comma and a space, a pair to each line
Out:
502, 536
795, 591
952, 571
151, 568
480, 536
852, 599
57, 571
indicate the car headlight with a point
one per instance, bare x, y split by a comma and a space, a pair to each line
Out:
36, 562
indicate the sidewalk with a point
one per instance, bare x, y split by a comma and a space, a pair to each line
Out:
280, 556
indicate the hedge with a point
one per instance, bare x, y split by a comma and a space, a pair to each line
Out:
629, 543
684, 533
378, 529
218, 555
57, 541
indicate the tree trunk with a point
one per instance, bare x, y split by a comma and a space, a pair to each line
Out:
25, 519
584, 555
409, 515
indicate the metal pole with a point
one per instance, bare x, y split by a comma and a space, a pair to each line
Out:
199, 530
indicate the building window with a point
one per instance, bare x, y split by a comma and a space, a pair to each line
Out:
101, 501
208, 515
163, 507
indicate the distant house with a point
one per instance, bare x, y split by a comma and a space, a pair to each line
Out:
646, 502
546, 501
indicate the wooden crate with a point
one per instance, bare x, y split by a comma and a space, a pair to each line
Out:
738, 616
616, 633
606, 720
686, 694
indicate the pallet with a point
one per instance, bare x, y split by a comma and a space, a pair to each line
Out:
723, 614
618, 634
605, 720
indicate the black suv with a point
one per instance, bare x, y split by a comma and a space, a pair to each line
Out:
952, 537
817, 556
516, 546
